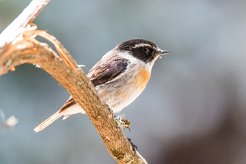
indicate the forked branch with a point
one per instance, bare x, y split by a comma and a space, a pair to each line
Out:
21, 47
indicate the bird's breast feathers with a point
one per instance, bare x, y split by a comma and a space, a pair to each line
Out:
141, 80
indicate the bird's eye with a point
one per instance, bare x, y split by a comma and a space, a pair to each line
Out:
146, 51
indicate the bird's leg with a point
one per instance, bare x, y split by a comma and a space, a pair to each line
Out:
123, 122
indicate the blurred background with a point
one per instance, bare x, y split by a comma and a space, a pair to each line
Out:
192, 111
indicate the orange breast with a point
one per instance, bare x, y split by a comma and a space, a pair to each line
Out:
142, 78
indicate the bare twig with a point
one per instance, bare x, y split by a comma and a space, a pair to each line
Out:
19, 24
24, 48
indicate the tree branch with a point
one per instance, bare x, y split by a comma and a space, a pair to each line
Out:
22, 21
19, 46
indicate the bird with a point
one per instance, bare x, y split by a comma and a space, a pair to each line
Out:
119, 77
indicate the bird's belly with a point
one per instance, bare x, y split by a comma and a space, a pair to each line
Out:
119, 94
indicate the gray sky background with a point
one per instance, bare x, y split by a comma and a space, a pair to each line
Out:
192, 110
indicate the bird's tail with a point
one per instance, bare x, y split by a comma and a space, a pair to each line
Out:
48, 121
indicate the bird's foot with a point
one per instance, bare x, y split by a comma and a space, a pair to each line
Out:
123, 122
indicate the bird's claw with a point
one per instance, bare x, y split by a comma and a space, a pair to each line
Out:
123, 122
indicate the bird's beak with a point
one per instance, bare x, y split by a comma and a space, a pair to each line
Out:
163, 52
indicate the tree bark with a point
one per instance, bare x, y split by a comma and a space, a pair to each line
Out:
21, 47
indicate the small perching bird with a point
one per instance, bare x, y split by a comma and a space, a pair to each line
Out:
119, 77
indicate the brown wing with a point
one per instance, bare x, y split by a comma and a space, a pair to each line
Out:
107, 69
101, 73
67, 104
